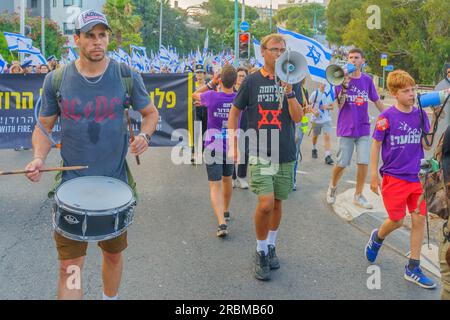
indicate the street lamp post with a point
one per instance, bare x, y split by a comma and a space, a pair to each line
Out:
160, 23
22, 24
270, 15
42, 28
236, 44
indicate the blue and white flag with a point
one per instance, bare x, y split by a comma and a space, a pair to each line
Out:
12, 40
124, 56
36, 59
137, 61
317, 56
26, 47
258, 55
143, 50
164, 55
3, 64
72, 55
206, 45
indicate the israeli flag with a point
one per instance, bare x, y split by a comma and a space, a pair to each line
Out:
25, 47
164, 55
138, 48
137, 61
317, 56
36, 59
124, 56
206, 45
3, 64
12, 40
72, 55
258, 55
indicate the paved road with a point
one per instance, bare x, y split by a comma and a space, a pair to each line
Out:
173, 251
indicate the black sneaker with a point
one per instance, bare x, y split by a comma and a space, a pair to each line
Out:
314, 153
226, 215
329, 160
274, 263
222, 231
262, 269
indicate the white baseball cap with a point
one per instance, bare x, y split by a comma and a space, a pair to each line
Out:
88, 19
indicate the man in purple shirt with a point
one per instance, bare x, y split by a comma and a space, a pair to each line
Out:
353, 127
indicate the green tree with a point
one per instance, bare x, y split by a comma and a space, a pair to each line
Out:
54, 39
218, 17
124, 23
175, 31
338, 16
413, 34
301, 18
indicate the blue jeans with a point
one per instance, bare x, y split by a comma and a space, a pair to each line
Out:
298, 154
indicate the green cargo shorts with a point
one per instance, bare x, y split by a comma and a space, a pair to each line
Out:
444, 246
267, 178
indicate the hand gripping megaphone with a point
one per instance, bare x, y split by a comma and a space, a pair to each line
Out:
291, 67
336, 74
432, 99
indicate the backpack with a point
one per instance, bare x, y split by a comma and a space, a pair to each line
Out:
433, 175
125, 78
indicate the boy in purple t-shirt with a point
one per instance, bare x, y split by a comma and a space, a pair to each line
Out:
219, 170
399, 135
353, 127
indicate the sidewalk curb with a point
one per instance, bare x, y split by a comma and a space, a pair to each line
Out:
366, 220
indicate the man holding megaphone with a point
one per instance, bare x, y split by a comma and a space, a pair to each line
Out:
353, 126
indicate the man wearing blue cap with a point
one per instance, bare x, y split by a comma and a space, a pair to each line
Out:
92, 134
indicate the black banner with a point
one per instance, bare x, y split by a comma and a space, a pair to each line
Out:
170, 93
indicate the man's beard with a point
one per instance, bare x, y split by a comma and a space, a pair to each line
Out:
90, 58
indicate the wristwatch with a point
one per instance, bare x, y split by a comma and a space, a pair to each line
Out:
291, 95
146, 136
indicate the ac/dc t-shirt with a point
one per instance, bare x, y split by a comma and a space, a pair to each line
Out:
258, 94
93, 126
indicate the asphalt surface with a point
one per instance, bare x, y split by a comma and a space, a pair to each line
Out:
174, 253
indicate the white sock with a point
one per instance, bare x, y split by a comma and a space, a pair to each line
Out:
262, 246
314, 147
327, 153
272, 237
105, 297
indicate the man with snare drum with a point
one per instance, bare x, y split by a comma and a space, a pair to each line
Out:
90, 102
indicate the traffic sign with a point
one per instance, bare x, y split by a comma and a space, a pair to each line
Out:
384, 61
389, 67
244, 26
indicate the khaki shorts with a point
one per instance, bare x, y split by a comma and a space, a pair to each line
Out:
71, 249
444, 246
266, 178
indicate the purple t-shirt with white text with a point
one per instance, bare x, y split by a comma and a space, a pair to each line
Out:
353, 117
219, 105
401, 137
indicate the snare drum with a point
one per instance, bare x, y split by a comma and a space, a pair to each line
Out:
93, 208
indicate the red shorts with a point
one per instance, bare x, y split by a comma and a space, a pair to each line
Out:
397, 194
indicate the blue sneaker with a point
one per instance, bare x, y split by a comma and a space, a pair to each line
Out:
372, 247
416, 276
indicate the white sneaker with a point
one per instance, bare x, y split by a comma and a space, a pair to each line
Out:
331, 195
234, 183
241, 183
362, 202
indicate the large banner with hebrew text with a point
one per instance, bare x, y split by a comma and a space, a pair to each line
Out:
19, 94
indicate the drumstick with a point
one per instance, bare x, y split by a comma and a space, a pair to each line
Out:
131, 132
4, 173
